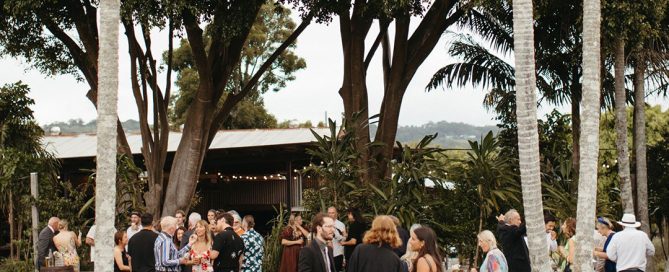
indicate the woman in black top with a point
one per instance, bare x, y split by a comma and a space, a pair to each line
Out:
376, 254
121, 260
356, 230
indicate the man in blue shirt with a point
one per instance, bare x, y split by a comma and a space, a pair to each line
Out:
168, 258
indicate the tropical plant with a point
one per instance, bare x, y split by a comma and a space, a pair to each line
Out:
273, 248
491, 176
21, 152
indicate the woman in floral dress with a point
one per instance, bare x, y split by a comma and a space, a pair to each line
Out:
67, 242
200, 252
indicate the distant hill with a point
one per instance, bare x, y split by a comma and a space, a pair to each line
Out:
77, 126
451, 135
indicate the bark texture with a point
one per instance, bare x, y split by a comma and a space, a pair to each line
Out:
528, 135
105, 188
587, 185
640, 152
621, 129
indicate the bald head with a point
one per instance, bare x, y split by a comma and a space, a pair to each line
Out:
53, 222
512, 217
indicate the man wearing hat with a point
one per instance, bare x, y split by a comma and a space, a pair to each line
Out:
630, 247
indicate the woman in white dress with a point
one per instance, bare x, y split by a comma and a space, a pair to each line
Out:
67, 242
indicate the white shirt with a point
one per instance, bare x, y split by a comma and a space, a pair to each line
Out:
132, 232
629, 249
552, 244
337, 248
91, 234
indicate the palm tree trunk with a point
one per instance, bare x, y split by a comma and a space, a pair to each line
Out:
528, 135
640, 152
587, 185
105, 202
621, 129
576, 135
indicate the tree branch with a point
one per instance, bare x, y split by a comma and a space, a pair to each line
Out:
383, 31
234, 99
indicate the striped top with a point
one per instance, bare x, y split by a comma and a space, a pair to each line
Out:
166, 253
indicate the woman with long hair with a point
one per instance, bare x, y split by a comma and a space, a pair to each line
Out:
376, 253
494, 258
410, 255
179, 236
356, 229
567, 251
424, 240
293, 237
200, 252
121, 257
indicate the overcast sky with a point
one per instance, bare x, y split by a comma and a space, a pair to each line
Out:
309, 97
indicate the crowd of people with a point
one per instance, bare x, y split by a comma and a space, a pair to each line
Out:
226, 242
623, 251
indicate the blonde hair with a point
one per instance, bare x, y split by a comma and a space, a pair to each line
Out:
384, 231
487, 237
207, 230
62, 224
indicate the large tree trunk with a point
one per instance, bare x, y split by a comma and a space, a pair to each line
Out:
105, 188
353, 30
621, 129
587, 185
408, 54
640, 152
528, 134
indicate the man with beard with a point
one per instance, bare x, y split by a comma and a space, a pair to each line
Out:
317, 255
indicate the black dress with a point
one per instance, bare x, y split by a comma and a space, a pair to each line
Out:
124, 258
374, 258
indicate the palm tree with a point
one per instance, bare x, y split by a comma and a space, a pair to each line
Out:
621, 128
528, 134
106, 131
587, 186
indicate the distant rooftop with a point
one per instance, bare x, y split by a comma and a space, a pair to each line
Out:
85, 145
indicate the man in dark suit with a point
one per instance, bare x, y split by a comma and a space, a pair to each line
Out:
45, 240
317, 255
512, 232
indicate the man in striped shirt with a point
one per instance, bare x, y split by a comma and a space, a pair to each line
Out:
168, 258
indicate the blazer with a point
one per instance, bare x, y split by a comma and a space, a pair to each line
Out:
311, 259
514, 247
374, 258
44, 243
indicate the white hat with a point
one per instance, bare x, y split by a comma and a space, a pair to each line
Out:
629, 220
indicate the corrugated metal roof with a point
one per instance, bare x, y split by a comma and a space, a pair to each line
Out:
79, 146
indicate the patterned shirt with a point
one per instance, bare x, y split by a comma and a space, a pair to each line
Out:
253, 251
166, 253
494, 262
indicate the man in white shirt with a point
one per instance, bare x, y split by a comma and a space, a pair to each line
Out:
90, 240
630, 247
551, 235
339, 236
135, 224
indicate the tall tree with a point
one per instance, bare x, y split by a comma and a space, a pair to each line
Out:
528, 135
621, 128
587, 184
272, 26
105, 203
399, 63
216, 53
